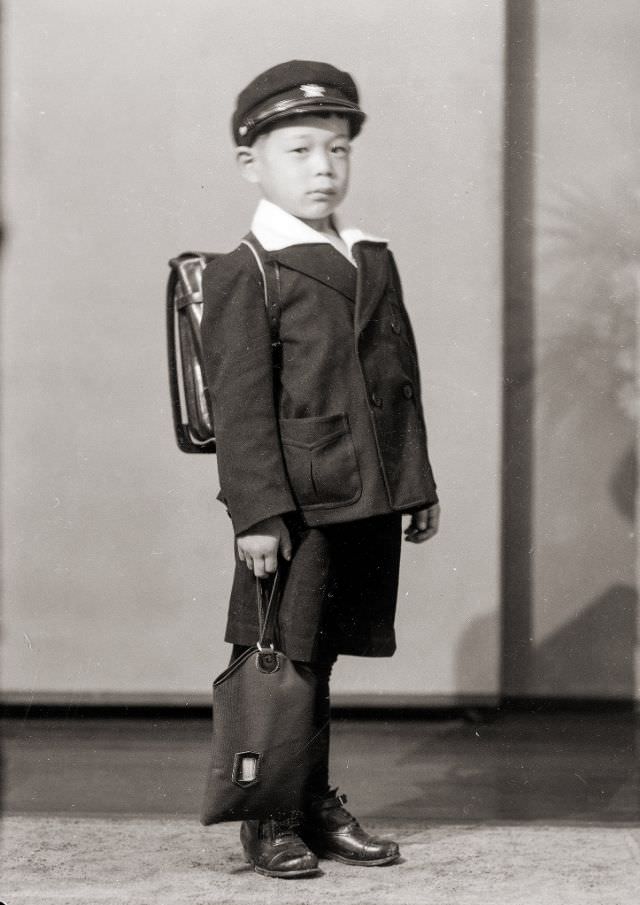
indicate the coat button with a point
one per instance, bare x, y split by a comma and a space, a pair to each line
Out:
376, 400
407, 391
395, 326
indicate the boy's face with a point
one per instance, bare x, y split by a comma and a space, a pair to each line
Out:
301, 165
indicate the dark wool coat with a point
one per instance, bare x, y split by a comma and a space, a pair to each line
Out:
348, 440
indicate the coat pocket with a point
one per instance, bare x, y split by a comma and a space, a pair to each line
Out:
321, 461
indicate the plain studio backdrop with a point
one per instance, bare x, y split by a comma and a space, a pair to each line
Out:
117, 154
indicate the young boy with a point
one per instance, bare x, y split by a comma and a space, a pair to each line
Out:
318, 469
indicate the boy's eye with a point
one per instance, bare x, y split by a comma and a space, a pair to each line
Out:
299, 150
341, 150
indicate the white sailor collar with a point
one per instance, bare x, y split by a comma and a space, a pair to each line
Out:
275, 229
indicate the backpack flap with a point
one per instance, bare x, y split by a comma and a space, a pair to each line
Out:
191, 407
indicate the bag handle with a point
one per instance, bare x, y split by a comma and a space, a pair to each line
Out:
267, 610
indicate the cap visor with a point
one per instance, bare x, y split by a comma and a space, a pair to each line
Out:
312, 105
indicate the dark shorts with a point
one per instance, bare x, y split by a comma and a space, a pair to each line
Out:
339, 594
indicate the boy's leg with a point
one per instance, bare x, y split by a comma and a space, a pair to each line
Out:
318, 783
328, 828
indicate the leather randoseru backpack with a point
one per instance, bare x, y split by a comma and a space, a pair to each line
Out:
190, 402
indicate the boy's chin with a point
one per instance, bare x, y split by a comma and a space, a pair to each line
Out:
317, 210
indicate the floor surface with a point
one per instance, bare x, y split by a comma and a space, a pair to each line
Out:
519, 767
529, 809
146, 861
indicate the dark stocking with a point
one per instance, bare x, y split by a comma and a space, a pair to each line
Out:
318, 786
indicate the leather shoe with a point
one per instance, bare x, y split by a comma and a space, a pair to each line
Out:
274, 848
332, 832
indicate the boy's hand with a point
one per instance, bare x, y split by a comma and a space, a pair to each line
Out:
258, 546
423, 525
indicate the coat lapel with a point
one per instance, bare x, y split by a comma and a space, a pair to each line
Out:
321, 262
373, 270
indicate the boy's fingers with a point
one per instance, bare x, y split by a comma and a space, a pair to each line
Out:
285, 544
434, 515
419, 537
421, 520
271, 562
259, 567
414, 538
240, 554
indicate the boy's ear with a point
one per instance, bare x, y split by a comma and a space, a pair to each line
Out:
246, 159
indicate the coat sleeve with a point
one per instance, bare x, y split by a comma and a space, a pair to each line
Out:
395, 277
238, 369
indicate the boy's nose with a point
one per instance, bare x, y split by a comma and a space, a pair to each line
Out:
323, 163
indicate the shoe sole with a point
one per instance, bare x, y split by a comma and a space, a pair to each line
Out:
284, 874
378, 862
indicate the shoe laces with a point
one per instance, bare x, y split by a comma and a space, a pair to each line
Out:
334, 802
285, 827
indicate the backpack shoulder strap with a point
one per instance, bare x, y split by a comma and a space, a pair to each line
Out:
270, 272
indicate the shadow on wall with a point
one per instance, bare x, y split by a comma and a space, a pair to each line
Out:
586, 429
582, 618
595, 650
476, 654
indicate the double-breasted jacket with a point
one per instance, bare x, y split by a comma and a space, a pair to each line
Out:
342, 435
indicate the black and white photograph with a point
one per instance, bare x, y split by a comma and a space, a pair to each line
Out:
319, 420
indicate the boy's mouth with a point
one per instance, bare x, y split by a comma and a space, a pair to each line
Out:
321, 193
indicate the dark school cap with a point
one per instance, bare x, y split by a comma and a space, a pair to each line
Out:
288, 89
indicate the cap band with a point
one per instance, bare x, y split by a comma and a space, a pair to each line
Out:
292, 105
